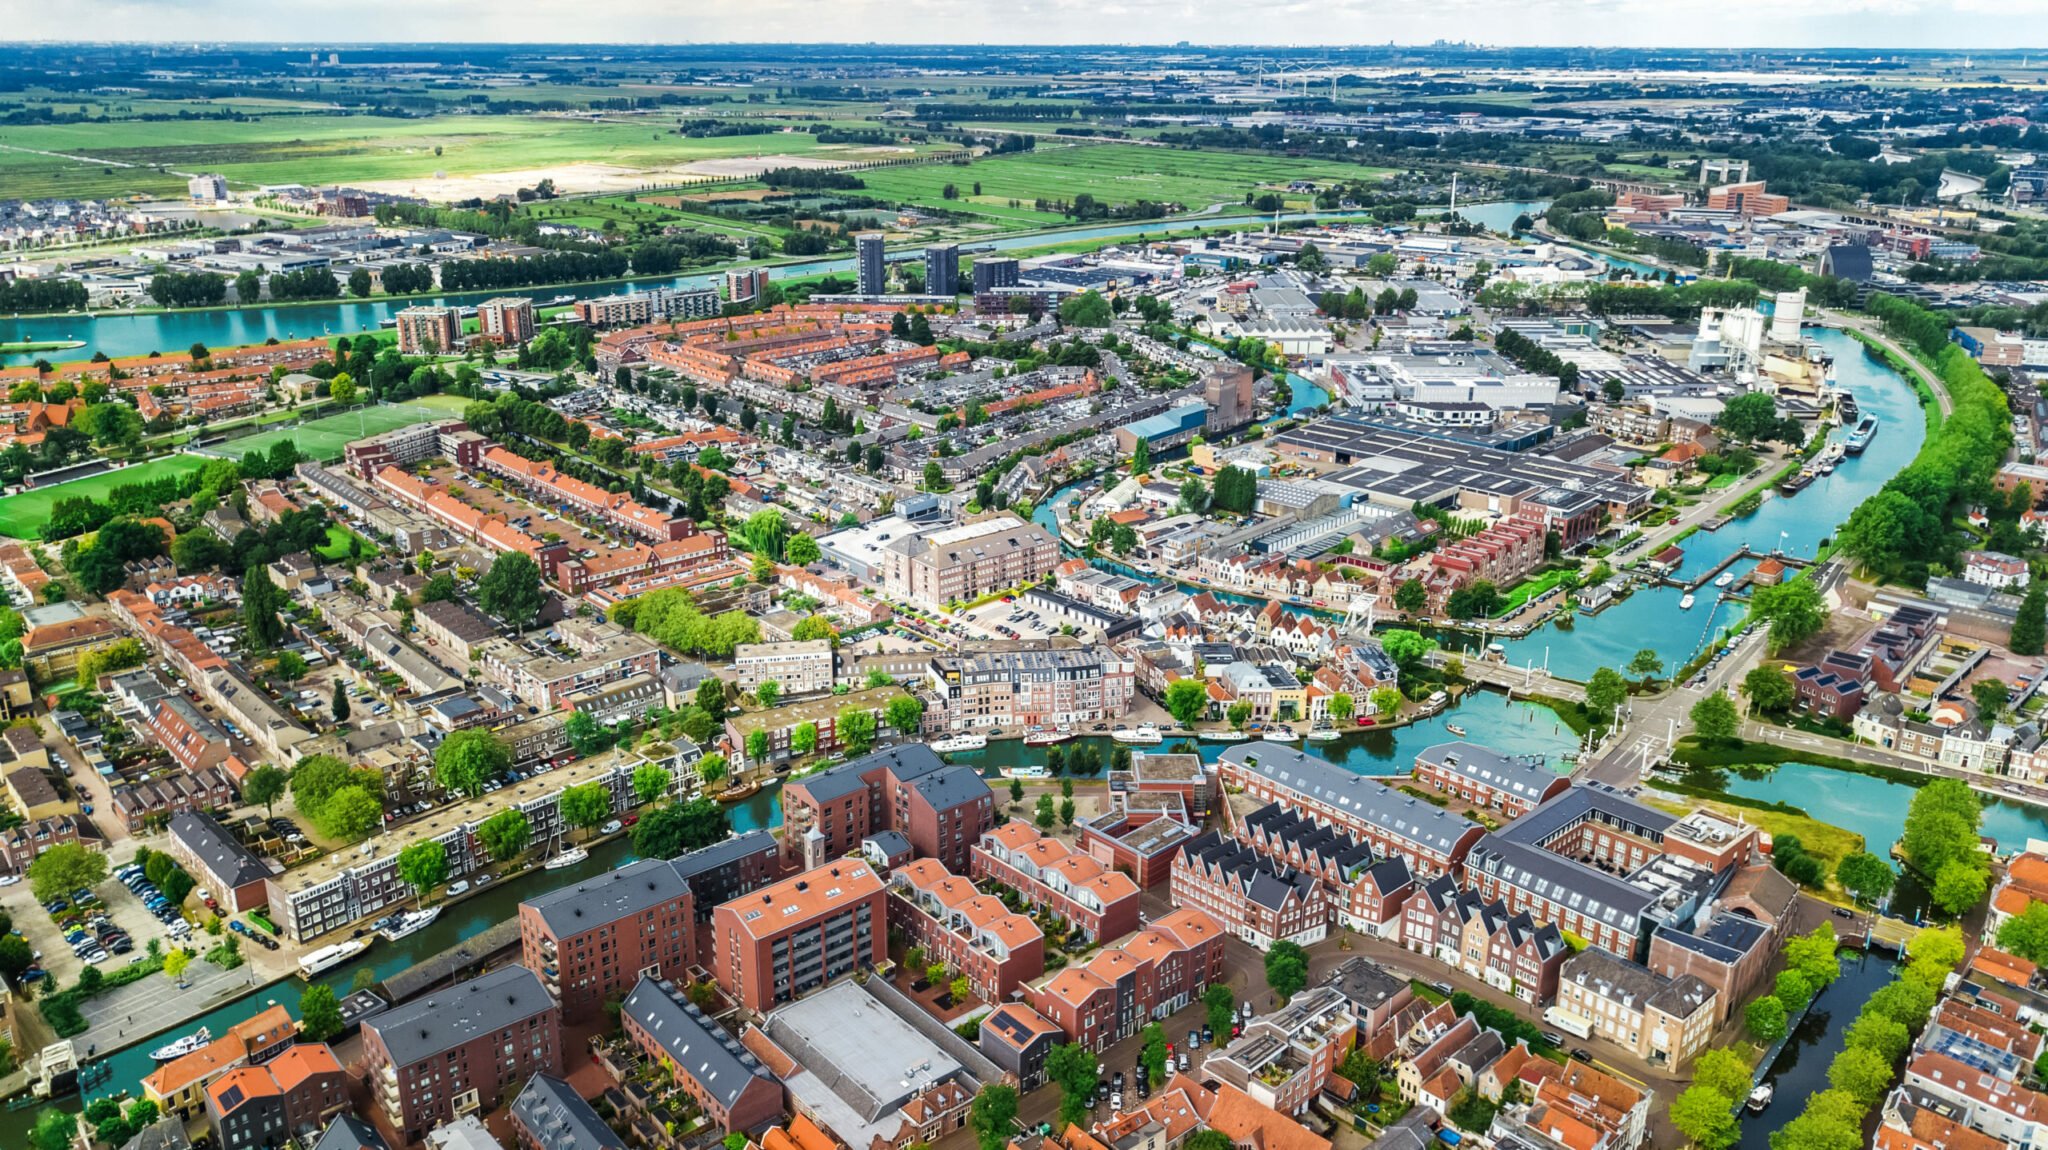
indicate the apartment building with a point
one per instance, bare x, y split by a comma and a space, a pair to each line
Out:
1664, 1021
1100, 903
1009, 689
726, 870
1485, 778
218, 861
429, 330
820, 713
601, 653
454, 1051
1508, 951
942, 809
1147, 977
1243, 889
546, 484
955, 564
789, 938
550, 1115
971, 933
732, 1087
798, 668
1284, 1059
403, 447
506, 321
599, 937
260, 1107
1430, 839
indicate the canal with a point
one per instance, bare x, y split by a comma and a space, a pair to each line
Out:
1651, 616
1876, 808
120, 334
1801, 1068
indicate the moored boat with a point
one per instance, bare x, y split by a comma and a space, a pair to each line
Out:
1686, 603
1323, 735
411, 922
740, 792
1222, 735
968, 742
1455, 729
180, 1047
1145, 734
1046, 738
1866, 430
328, 957
1761, 1096
1278, 734
569, 857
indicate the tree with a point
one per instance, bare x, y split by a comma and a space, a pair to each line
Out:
1866, 877
960, 988
1141, 457
1221, 1006
1706, 1117
2028, 629
1470, 1112
1814, 954
1339, 706
1714, 718
1239, 714
1991, 696
320, 1011
1769, 691
815, 627
1087, 309
339, 707
16, 955
2026, 933
802, 550
505, 834
1067, 813
467, 761
264, 786
1722, 1071
439, 589
1045, 814
1750, 416
1646, 664
993, 1114
1794, 609
1606, 691
423, 865
1073, 1068
1942, 826
510, 591
711, 768
1187, 700
586, 806
1411, 596
64, 868
1861, 1074
804, 739
1152, 1053
290, 666
1016, 790
678, 828
261, 602
1887, 1036
349, 814
1286, 969
1385, 700
1793, 989
1765, 1019
54, 1130
905, 714
1406, 648
1958, 886
757, 746
856, 727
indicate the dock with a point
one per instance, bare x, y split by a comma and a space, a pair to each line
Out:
1745, 552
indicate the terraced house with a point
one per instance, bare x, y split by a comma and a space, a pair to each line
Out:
970, 933
1100, 903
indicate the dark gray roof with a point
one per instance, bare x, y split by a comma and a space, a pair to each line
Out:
1523, 777
719, 854
1371, 801
1590, 891
698, 1045
348, 1132
1364, 984
1583, 801
953, 786
449, 1018
1725, 940
908, 762
226, 860
890, 843
611, 896
557, 1118
169, 1134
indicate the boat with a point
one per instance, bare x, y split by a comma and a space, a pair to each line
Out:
1685, 604
560, 301
1725, 579
1025, 773
1793, 485
329, 957
411, 922
180, 1047
1323, 735
1845, 406
739, 792
1278, 734
951, 743
1046, 738
1222, 735
572, 856
1144, 733
1455, 729
1761, 1097
1866, 430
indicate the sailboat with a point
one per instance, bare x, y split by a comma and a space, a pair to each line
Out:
566, 858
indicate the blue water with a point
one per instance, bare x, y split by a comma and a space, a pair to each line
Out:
1651, 618
1876, 808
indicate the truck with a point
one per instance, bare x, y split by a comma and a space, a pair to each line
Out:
1570, 1023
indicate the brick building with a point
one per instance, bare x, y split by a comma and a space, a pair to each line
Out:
1485, 778
1243, 889
597, 938
1432, 840
252, 1107
782, 941
942, 809
971, 933
1101, 904
732, 1087
454, 1051
1148, 977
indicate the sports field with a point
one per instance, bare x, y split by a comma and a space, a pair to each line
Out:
1112, 173
21, 516
324, 438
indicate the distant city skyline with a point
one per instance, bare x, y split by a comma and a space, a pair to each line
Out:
1959, 25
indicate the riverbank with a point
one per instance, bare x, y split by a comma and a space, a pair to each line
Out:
29, 346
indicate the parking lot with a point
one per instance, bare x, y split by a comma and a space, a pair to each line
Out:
120, 910
1008, 620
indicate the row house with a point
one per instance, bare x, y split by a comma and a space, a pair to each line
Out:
1284, 1059
549, 485
690, 561
1664, 1021
178, 1087
821, 714
971, 933
257, 1107
1253, 899
1147, 978
1430, 839
1365, 893
731, 1086
169, 794
1512, 785
1007, 689
1505, 950
1502, 554
2000, 1106
20, 844
194, 741
1100, 903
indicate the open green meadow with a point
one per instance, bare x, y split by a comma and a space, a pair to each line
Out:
1112, 173
316, 150
324, 438
22, 515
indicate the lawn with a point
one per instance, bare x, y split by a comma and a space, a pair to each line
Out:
21, 516
324, 438
1112, 173
1824, 841
336, 547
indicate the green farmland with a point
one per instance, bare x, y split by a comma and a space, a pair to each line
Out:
324, 438
23, 515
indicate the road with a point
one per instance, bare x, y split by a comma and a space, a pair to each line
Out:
1652, 724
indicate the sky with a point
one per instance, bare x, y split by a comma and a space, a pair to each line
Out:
1957, 24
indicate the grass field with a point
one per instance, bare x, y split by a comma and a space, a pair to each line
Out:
336, 547
324, 438
22, 515
342, 149
1113, 173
